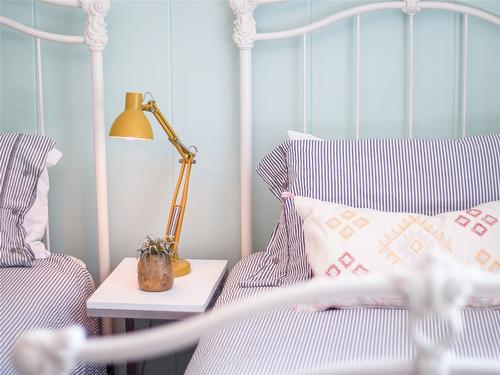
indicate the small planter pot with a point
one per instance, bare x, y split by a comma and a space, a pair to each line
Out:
155, 273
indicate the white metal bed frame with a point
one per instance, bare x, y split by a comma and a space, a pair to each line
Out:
439, 287
245, 35
96, 38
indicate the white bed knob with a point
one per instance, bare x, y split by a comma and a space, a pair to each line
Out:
44, 352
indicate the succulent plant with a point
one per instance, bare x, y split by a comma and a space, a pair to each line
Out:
156, 246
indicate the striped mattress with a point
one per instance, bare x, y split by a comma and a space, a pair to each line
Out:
287, 342
51, 294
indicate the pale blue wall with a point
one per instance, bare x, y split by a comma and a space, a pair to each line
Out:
182, 52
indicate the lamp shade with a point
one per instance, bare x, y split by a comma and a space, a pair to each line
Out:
132, 123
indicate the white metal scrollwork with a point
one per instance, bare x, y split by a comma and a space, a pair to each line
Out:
96, 36
45, 352
440, 289
411, 7
244, 30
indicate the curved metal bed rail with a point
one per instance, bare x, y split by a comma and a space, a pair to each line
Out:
35, 33
439, 286
372, 7
245, 35
65, 3
96, 38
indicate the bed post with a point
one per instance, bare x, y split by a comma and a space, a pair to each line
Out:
244, 37
96, 38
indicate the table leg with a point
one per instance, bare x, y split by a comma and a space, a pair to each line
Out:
129, 327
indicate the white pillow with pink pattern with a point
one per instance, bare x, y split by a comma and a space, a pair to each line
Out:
342, 241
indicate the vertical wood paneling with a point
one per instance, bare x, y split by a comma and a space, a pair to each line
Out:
411, 76
483, 103
140, 174
358, 78
17, 75
305, 83
278, 100
333, 74
183, 53
205, 102
465, 66
40, 123
436, 75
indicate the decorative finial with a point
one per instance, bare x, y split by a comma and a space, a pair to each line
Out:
244, 24
411, 7
44, 352
439, 287
96, 35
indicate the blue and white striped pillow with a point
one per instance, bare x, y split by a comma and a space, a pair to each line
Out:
22, 158
394, 175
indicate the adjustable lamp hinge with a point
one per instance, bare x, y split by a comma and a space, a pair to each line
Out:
185, 152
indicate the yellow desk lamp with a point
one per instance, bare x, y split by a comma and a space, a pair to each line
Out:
133, 124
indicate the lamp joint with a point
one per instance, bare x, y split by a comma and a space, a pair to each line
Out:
150, 106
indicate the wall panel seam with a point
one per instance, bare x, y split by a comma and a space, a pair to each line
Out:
33, 55
170, 88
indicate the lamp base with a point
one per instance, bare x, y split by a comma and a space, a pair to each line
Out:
181, 267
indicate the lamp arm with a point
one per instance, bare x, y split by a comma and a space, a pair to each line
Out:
185, 153
177, 208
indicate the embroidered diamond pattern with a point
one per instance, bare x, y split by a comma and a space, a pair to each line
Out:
474, 212
333, 223
495, 267
416, 246
462, 220
482, 257
360, 222
350, 221
332, 271
479, 229
490, 220
348, 215
405, 242
346, 259
360, 270
346, 232
486, 260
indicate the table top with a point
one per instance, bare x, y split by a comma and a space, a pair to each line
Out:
120, 297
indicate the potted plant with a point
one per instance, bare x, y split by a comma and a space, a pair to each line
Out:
154, 268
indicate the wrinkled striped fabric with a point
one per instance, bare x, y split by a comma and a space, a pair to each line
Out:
395, 175
22, 158
51, 294
289, 342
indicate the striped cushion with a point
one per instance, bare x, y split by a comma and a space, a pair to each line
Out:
395, 175
22, 158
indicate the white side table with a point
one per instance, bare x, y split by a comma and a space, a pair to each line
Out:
120, 297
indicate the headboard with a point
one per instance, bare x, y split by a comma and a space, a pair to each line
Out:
96, 38
245, 36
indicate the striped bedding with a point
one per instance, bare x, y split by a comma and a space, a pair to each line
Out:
22, 159
287, 342
394, 175
50, 294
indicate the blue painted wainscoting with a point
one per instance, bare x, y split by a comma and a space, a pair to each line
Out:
182, 52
